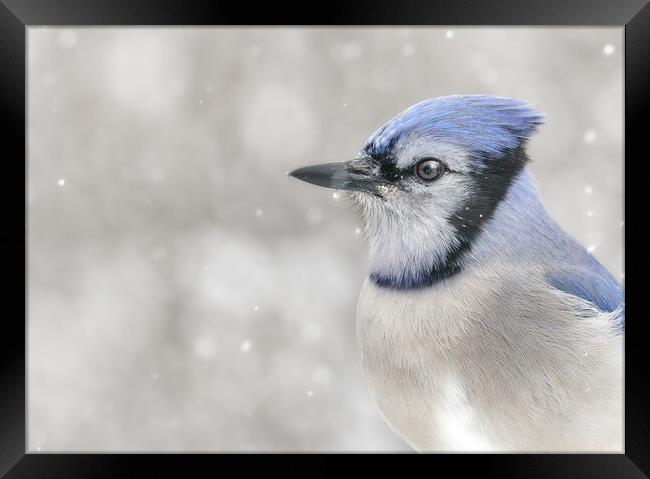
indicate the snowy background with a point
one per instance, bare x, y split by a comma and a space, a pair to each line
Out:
184, 294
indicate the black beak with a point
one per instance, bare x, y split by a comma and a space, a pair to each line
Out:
345, 175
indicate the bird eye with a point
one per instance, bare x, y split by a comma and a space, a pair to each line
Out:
429, 170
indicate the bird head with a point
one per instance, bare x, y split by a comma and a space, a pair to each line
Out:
429, 179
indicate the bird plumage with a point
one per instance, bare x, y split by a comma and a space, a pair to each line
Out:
531, 365
485, 125
482, 326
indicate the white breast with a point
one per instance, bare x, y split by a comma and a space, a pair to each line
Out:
470, 365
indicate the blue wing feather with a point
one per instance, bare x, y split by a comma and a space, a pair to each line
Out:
597, 287
569, 266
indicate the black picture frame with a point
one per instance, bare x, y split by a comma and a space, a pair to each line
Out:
17, 15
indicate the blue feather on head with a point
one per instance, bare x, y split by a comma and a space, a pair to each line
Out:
485, 125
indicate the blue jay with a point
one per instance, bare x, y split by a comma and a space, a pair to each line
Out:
482, 325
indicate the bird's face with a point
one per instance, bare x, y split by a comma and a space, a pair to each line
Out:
412, 197
417, 181
428, 179
414, 177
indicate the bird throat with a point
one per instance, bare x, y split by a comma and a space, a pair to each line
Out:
452, 244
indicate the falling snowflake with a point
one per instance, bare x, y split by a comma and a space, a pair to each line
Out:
60, 182
258, 212
204, 347
336, 195
245, 346
588, 190
591, 248
310, 393
449, 34
589, 136
609, 49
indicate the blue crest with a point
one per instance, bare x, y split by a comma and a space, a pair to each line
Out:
486, 125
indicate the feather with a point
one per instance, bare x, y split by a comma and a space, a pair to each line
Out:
485, 125
596, 286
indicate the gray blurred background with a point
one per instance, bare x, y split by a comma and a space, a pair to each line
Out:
184, 293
